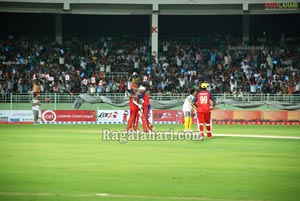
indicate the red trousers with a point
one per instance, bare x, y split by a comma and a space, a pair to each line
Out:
132, 120
204, 119
145, 120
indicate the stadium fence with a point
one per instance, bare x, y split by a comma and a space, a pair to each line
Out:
59, 98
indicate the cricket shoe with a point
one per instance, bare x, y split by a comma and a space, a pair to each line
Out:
201, 136
151, 128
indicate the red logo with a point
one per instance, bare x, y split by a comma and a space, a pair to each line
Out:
49, 116
165, 115
154, 30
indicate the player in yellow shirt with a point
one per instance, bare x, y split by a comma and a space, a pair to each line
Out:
187, 111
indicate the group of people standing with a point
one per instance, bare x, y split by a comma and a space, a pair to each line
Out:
139, 105
202, 103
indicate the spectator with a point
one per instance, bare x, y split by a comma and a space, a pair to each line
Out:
36, 87
2, 92
20, 86
92, 89
180, 65
10, 86
36, 109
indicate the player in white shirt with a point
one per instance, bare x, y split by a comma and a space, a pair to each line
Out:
36, 109
187, 110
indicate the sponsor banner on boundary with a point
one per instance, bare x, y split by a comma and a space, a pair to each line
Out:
68, 116
274, 116
222, 115
159, 117
71, 122
293, 116
167, 116
115, 116
112, 116
232, 117
16, 116
246, 115
257, 123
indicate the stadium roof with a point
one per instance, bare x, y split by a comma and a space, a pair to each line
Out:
147, 7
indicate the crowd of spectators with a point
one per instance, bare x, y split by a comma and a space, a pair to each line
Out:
86, 66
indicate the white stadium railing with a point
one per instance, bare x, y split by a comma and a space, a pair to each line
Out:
70, 98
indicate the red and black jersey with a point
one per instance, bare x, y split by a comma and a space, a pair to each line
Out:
132, 105
202, 101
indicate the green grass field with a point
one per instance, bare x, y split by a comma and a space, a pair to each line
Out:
73, 163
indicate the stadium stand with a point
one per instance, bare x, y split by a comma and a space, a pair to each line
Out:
192, 49
76, 67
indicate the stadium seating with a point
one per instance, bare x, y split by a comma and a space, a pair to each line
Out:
34, 56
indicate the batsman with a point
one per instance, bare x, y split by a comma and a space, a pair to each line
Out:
202, 101
146, 108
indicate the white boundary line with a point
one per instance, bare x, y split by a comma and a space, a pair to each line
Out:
250, 136
213, 134
240, 135
258, 136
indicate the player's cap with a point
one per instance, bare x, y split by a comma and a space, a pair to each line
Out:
203, 85
142, 88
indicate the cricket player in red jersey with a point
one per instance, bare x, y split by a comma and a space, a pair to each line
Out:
144, 98
133, 108
202, 101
